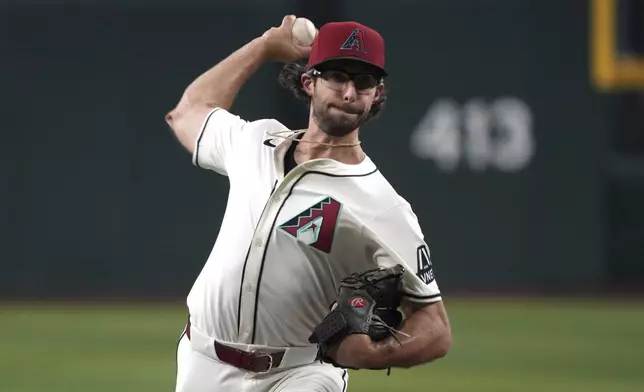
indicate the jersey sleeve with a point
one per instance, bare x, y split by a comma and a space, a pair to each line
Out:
396, 238
221, 133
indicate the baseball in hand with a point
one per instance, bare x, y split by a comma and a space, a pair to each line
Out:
303, 32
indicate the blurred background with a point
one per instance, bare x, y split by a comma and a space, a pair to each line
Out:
514, 127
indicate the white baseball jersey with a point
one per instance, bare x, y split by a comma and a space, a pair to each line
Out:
286, 241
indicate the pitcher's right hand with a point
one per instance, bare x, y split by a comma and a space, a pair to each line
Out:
280, 45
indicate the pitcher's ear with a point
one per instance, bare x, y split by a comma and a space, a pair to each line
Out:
379, 91
307, 83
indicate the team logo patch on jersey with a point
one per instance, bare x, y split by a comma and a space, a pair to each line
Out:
316, 225
355, 41
425, 270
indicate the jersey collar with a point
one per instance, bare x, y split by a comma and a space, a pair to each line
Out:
324, 165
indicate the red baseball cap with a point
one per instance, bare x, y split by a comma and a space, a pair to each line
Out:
348, 40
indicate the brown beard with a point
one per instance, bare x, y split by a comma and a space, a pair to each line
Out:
333, 126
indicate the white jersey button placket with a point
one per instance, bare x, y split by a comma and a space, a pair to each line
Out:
254, 263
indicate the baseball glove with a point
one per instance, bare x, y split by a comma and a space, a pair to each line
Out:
367, 303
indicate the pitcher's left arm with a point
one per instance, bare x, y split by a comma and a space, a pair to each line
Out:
395, 237
430, 338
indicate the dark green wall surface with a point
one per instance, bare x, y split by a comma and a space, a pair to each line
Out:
492, 132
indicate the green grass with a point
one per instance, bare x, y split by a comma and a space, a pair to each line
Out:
499, 346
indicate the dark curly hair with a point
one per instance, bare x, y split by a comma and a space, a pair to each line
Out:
290, 77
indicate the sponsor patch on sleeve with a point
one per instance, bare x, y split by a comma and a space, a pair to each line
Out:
423, 258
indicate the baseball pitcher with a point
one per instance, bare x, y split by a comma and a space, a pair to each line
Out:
319, 265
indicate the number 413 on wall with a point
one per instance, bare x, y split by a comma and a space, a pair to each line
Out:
483, 135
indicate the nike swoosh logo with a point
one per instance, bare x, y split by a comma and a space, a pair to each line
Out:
269, 142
